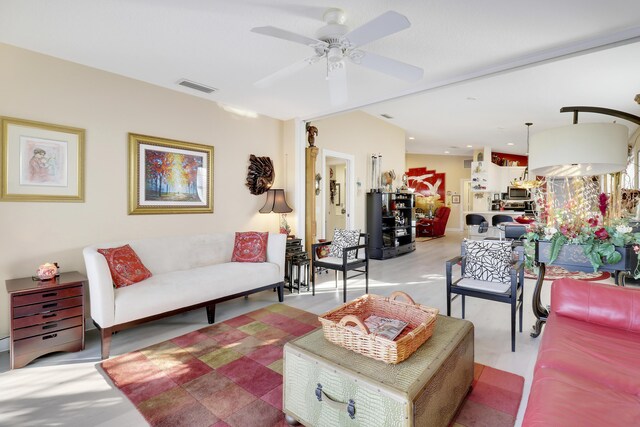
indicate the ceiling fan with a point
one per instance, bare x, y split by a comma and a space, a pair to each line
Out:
335, 42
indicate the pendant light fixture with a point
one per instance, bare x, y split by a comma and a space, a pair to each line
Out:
524, 181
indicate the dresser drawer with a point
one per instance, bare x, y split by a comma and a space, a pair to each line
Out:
55, 326
38, 319
46, 295
47, 340
46, 307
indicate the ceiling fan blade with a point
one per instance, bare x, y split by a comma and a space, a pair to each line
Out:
389, 66
338, 92
286, 71
388, 23
287, 35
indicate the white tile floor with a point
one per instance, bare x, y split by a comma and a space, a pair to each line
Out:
68, 389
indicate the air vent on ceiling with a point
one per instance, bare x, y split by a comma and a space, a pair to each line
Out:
196, 86
386, 116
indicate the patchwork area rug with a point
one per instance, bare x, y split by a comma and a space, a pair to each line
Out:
553, 272
230, 374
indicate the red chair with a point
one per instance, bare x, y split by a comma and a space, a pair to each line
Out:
434, 227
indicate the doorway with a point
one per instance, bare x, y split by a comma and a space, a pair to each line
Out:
337, 198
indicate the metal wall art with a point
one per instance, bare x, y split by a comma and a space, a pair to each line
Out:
260, 175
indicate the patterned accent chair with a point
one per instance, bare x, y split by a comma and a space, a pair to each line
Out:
434, 227
344, 256
488, 271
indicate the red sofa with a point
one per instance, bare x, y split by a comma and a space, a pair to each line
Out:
588, 367
434, 227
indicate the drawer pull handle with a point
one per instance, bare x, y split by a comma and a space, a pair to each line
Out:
52, 304
323, 397
47, 337
46, 316
50, 294
52, 325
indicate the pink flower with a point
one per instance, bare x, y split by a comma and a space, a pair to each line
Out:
602, 234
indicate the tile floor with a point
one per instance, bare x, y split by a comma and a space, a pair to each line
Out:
68, 389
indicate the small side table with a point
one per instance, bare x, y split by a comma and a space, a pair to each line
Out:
46, 316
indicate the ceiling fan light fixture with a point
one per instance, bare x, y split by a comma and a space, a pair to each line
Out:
334, 54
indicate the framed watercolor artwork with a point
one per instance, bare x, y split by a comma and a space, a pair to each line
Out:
455, 199
169, 177
41, 162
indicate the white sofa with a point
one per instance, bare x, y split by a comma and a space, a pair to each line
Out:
188, 272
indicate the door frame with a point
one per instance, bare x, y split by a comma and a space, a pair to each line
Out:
349, 190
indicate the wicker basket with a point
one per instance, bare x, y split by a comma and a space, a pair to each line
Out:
421, 322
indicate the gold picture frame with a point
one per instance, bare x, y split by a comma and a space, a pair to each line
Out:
169, 177
41, 162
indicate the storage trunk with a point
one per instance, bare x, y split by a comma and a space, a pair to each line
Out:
326, 385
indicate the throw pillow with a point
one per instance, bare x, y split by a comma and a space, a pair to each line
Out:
488, 260
250, 246
125, 266
344, 239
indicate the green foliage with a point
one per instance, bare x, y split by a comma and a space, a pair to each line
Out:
557, 241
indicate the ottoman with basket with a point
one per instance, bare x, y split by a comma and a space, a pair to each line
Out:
346, 375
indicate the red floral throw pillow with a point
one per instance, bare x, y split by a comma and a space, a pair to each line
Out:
250, 246
125, 266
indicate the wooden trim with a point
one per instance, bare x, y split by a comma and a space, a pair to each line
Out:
105, 333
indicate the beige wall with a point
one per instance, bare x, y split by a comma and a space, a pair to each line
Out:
453, 166
361, 135
41, 88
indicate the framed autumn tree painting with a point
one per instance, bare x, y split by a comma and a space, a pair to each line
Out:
169, 177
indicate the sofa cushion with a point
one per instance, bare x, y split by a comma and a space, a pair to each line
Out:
488, 260
344, 239
561, 399
250, 246
600, 354
125, 266
177, 289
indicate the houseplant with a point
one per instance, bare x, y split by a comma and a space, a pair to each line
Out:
601, 244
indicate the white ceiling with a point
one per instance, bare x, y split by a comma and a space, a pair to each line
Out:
460, 45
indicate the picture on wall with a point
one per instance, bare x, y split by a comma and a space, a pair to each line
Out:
169, 177
41, 162
455, 199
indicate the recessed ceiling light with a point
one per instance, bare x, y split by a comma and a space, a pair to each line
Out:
411, 138
510, 143
469, 146
446, 152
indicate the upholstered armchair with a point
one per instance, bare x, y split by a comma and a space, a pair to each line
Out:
434, 227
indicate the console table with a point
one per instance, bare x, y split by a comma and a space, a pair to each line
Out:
46, 316
572, 258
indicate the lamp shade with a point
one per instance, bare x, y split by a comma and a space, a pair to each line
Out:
275, 202
582, 149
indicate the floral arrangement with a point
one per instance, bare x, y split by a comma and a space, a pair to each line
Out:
599, 241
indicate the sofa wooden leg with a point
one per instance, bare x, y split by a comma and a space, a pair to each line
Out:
211, 314
281, 292
105, 342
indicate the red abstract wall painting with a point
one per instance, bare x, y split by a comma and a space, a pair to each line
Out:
426, 182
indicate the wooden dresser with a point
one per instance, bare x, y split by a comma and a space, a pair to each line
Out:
46, 316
